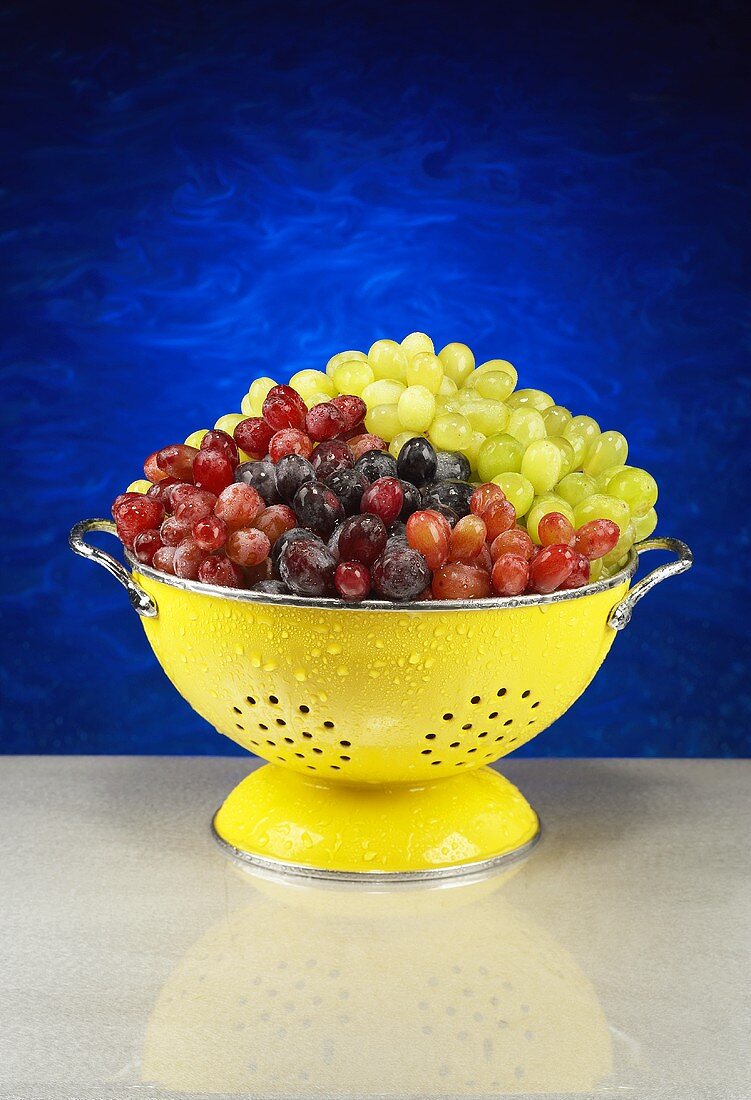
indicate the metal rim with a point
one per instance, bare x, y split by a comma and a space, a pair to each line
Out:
242, 595
279, 868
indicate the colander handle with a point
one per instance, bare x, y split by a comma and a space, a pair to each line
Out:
142, 602
620, 616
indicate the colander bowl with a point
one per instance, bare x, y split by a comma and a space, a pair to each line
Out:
378, 720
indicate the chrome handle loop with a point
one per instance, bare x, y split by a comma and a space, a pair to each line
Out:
142, 602
620, 616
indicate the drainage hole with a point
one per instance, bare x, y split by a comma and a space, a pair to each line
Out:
501, 692
318, 752
250, 699
307, 736
239, 726
329, 725
447, 717
426, 752
261, 726
300, 755
435, 762
271, 742
508, 721
526, 694
345, 744
536, 704
237, 710
303, 709
493, 714
483, 734
430, 737
289, 740
273, 699
345, 757
280, 722
468, 726
454, 744
475, 699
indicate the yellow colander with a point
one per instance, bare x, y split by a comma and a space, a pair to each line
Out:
378, 720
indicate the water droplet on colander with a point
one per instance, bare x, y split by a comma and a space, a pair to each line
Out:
333, 648
270, 666
239, 650
414, 658
300, 675
342, 670
255, 660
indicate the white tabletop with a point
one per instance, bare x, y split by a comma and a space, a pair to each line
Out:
137, 960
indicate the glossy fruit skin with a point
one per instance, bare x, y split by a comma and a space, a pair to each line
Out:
429, 532
253, 436
248, 546
352, 581
284, 408
452, 466
146, 545
417, 462
498, 517
191, 503
515, 541
173, 530
213, 471
550, 567
468, 539
210, 533
361, 444
177, 460
289, 441
400, 574
307, 568
151, 468
162, 491
164, 559
261, 476
121, 498
362, 538
275, 520
483, 496
554, 528
459, 581
271, 587
349, 486
453, 494
317, 508
136, 515
331, 456
384, 498
579, 575
324, 421
292, 472
217, 440
293, 535
412, 500
448, 513
187, 560
510, 575
374, 465
239, 505
352, 408
596, 538
220, 571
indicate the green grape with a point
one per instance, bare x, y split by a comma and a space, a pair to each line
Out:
600, 506
416, 409
384, 391
567, 453
541, 465
343, 357
417, 342
194, 439
543, 505
352, 376
229, 422
595, 570
257, 394
501, 365
383, 420
246, 406
530, 399
398, 442
317, 399
388, 360
580, 432
517, 489
458, 362
307, 382
495, 385
488, 417
447, 386
637, 488
644, 525
609, 450
450, 432
425, 370
526, 425
603, 479
575, 488
472, 448
499, 454
618, 556
142, 485
556, 418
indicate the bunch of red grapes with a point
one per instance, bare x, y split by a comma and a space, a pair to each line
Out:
320, 508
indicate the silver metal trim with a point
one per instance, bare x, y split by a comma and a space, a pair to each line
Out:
142, 602
621, 614
279, 868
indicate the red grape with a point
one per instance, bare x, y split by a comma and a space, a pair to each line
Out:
510, 574
221, 571
212, 470
210, 532
400, 573
324, 421
515, 541
384, 498
352, 581
499, 516
467, 538
164, 559
274, 521
329, 457
218, 440
177, 460
362, 538
307, 567
174, 530
239, 505
151, 468
458, 581
550, 567
284, 408
289, 441
190, 503
187, 559
555, 530
121, 499
135, 516
579, 575
353, 409
597, 538
162, 491
485, 495
248, 546
253, 436
361, 444
430, 533
146, 545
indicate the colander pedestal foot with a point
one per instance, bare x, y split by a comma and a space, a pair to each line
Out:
280, 820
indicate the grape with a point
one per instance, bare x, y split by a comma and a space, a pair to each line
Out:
596, 538
331, 456
146, 545
636, 488
239, 505
220, 571
452, 466
541, 465
426, 370
248, 546
318, 509
579, 575
292, 471
530, 399
453, 494
195, 438
253, 436
352, 408
140, 486
499, 516
448, 513
219, 440
307, 567
349, 485
510, 574
352, 377
488, 417
460, 581
467, 539
415, 343
388, 360
212, 471
261, 476
164, 559
644, 525
415, 409
177, 460
162, 491
603, 479
400, 574
555, 529
289, 441
483, 496
619, 553
384, 498
515, 541
575, 488
375, 464
352, 581
210, 533
417, 461
610, 449
556, 417
599, 506
398, 442
550, 568
292, 535
541, 507
151, 467
362, 538
189, 503
187, 560
457, 361
361, 444
227, 423
568, 455
499, 454
450, 432
447, 387
383, 420
259, 388
412, 500
581, 431
344, 357
493, 385
495, 366
272, 588
174, 530
430, 533
136, 514
310, 382
526, 425
275, 520
517, 489
314, 399
384, 391
324, 422
246, 408
283, 408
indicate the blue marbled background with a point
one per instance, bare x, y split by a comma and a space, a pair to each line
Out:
197, 194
